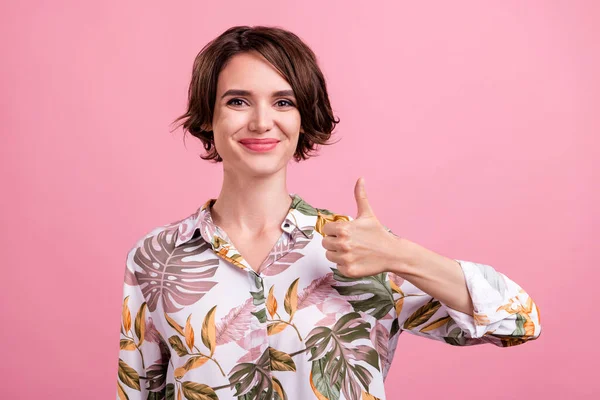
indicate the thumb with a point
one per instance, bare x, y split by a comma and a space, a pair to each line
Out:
363, 208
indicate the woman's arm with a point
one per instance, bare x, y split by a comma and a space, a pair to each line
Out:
440, 277
143, 353
460, 302
432, 293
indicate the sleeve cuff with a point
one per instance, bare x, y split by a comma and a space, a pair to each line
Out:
486, 294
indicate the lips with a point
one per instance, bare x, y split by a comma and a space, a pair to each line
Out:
259, 145
259, 141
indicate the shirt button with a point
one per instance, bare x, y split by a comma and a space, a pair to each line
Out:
286, 225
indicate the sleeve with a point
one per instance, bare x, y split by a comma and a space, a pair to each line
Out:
504, 314
143, 355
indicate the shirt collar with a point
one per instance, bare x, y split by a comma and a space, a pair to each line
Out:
301, 216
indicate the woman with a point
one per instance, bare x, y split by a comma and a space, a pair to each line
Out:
258, 294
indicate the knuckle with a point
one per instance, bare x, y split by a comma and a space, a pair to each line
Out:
351, 271
345, 246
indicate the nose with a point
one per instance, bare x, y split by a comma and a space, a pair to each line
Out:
261, 119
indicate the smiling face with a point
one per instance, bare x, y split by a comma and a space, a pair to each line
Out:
253, 101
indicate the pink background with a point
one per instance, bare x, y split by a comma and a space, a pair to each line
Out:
474, 123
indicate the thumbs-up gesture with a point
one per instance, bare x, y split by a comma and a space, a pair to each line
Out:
362, 246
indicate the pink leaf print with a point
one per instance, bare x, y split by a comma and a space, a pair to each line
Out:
317, 292
151, 334
379, 337
168, 276
327, 320
333, 309
282, 247
234, 326
300, 242
247, 341
186, 227
335, 305
320, 293
251, 355
386, 316
282, 264
397, 280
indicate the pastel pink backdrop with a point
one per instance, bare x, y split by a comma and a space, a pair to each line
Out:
474, 123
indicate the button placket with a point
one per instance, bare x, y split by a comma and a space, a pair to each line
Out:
259, 320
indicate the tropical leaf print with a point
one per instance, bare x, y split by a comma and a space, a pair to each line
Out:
320, 383
281, 361
156, 374
456, 337
152, 334
299, 204
197, 358
271, 302
278, 387
290, 304
324, 218
422, 314
168, 273
380, 337
209, 331
435, 324
367, 396
283, 245
252, 354
524, 323
339, 358
253, 380
317, 292
121, 392
258, 299
349, 326
321, 294
144, 331
291, 299
280, 264
128, 375
377, 299
235, 324
524, 327
198, 391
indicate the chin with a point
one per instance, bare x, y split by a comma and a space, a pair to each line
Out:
261, 167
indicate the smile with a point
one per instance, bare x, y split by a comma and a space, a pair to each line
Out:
260, 146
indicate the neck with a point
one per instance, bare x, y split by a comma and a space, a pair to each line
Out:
252, 205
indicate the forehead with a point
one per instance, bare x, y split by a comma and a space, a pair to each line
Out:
250, 71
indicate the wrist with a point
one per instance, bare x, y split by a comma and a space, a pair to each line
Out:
404, 255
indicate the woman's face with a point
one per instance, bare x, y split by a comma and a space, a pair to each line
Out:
248, 106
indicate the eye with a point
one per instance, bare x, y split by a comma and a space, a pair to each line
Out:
235, 100
287, 102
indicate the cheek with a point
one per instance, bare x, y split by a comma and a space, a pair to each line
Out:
228, 123
224, 126
291, 127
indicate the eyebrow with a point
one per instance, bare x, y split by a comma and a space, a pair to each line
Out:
239, 92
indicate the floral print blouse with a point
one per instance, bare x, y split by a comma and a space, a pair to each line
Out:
199, 323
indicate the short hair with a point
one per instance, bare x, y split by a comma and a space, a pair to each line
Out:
290, 56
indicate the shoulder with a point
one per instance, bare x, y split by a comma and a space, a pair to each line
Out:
160, 238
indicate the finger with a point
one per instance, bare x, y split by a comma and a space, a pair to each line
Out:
334, 257
363, 208
332, 243
333, 228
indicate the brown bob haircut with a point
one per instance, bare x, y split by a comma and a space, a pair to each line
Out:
294, 60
